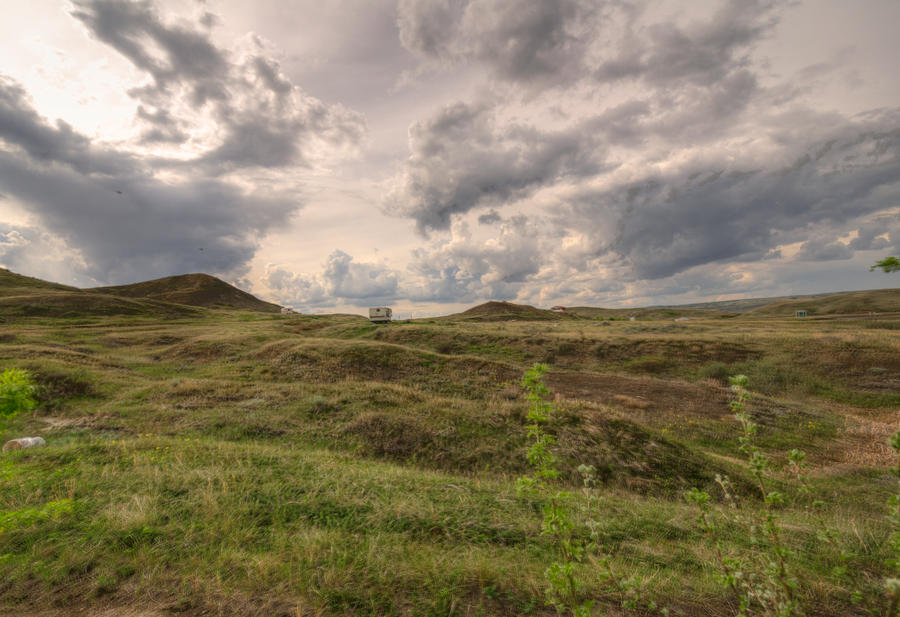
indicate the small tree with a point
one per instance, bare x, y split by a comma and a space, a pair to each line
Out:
888, 264
17, 393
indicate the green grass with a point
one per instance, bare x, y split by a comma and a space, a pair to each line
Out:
266, 464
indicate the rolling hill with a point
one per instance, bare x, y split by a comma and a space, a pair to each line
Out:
193, 290
12, 284
855, 302
174, 296
505, 311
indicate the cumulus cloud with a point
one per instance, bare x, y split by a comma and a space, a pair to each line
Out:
537, 43
341, 279
108, 205
29, 249
671, 222
549, 44
465, 267
462, 159
697, 159
213, 118
261, 119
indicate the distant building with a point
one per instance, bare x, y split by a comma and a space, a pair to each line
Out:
558, 309
380, 314
801, 313
286, 310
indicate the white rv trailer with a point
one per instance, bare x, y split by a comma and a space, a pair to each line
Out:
380, 314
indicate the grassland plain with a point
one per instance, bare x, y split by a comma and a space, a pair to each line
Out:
239, 463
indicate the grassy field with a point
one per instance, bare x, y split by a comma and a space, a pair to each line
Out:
237, 463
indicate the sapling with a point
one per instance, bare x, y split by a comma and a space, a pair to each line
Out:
566, 587
774, 590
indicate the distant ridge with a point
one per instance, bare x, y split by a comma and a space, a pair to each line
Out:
193, 290
847, 303
173, 296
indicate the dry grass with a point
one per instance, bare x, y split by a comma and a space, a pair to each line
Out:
238, 463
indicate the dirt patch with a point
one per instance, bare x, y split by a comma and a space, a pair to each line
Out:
648, 397
682, 351
863, 440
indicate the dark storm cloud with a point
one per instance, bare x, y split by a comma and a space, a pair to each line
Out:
701, 160
163, 127
872, 236
541, 44
462, 159
671, 223
490, 218
127, 224
20, 126
111, 203
172, 55
701, 53
264, 120
538, 43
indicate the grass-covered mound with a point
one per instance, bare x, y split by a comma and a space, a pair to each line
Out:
242, 463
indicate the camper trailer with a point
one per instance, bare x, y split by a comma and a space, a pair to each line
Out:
380, 314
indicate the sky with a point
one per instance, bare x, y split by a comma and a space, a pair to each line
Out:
430, 155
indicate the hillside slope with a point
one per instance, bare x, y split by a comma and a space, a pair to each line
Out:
878, 301
192, 289
12, 284
505, 311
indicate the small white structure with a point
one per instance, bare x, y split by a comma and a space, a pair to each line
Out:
380, 314
558, 309
801, 313
286, 310
23, 442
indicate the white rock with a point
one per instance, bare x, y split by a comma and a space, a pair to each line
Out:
23, 442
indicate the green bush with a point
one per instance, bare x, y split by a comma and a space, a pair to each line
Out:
715, 370
17, 393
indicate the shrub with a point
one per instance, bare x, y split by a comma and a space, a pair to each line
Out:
714, 370
17, 393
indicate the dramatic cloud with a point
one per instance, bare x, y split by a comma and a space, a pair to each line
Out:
698, 157
341, 279
536, 43
465, 268
461, 159
262, 118
567, 152
135, 216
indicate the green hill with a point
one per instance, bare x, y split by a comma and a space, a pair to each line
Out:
855, 302
12, 284
191, 289
185, 295
505, 311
